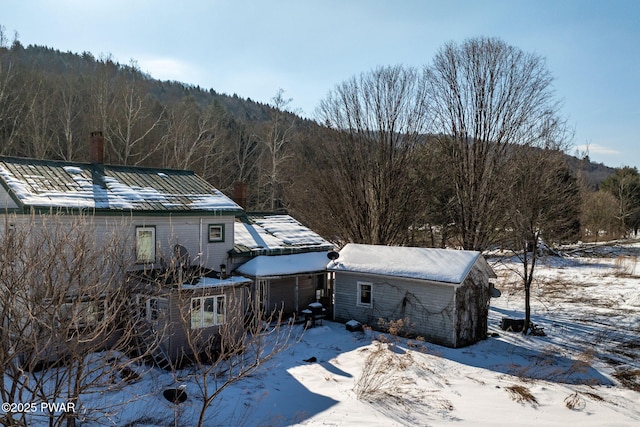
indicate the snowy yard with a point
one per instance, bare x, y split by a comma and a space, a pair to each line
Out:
585, 372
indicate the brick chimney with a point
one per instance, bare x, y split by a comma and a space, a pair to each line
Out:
240, 194
96, 147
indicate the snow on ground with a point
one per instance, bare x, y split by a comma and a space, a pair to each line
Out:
584, 372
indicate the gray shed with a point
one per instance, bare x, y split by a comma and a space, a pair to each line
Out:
440, 295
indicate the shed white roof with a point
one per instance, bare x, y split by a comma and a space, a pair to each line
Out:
282, 265
439, 265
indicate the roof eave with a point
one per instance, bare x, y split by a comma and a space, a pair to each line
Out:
395, 276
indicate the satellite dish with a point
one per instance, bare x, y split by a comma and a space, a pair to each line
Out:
495, 293
333, 255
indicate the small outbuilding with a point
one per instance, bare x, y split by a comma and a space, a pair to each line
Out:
440, 295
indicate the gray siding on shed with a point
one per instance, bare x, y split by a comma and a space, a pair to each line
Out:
472, 305
427, 306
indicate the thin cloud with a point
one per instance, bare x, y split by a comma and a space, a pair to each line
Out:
169, 69
598, 149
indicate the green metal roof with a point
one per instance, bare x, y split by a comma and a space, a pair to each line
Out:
274, 234
47, 184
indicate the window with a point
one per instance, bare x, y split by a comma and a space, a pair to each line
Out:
207, 311
216, 232
80, 315
145, 244
151, 308
365, 294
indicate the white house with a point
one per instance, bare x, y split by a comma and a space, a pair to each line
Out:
176, 225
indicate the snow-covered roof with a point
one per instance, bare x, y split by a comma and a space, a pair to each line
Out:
282, 265
54, 184
271, 234
439, 265
210, 282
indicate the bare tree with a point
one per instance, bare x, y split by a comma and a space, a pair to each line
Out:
238, 347
36, 125
11, 101
624, 185
245, 149
599, 215
69, 118
192, 135
364, 168
276, 144
61, 303
485, 97
544, 204
135, 116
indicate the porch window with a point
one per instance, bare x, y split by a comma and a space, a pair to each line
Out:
152, 308
208, 311
216, 232
365, 294
145, 245
81, 315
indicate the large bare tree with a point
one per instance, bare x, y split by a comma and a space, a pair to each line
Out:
486, 96
134, 117
62, 302
364, 168
276, 137
192, 136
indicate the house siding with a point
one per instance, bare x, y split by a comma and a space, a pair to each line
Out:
192, 233
6, 202
283, 293
170, 231
178, 326
427, 306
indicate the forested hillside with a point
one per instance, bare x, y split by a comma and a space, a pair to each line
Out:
50, 101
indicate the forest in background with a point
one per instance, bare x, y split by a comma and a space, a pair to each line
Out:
50, 101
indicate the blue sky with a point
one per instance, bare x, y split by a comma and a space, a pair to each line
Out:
253, 48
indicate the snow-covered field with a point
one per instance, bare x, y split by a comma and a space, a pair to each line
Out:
584, 372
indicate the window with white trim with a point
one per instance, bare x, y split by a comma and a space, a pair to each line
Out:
145, 245
208, 311
216, 232
365, 294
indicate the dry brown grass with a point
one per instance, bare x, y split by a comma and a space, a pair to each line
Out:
522, 394
629, 378
593, 396
576, 402
382, 371
625, 265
